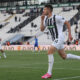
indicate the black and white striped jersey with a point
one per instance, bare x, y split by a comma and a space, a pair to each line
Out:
55, 26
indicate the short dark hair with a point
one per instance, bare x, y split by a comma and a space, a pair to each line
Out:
49, 6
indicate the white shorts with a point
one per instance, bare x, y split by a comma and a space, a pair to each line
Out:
58, 44
0, 47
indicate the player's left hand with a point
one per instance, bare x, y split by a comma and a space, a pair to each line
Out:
70, 37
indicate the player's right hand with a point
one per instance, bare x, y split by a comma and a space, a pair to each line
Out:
42, 17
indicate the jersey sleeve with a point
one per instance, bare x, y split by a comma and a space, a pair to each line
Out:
60, 19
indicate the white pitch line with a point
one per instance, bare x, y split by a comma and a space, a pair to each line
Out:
67, 68
67, 78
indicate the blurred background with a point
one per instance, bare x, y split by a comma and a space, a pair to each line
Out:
20, 21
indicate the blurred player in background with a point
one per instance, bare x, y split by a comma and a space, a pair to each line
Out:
55, 23
36, 43
3, 53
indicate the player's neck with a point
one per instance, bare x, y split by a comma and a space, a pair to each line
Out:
50, 14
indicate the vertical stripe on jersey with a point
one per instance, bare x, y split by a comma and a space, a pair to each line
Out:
50, 21
52, 33
46, 21
56, 30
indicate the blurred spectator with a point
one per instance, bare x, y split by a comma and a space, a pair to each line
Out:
21, 43
75, 21
78, 8
31, 11
18, 29
73, 7
8, 43
35, 10
1, 25
19, 19
76, 32
35, 26
32, 24
79, 33
31, 31
77, 42
15, 18
41, 10
11, 30
28, 43
74, 41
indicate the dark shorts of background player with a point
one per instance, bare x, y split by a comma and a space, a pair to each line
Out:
35, 45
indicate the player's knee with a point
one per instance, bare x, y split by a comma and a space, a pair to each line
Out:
64, 57
50, 51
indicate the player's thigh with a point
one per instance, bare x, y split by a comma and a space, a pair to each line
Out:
62, 53
51, 50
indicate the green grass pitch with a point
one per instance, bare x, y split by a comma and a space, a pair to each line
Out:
28, 65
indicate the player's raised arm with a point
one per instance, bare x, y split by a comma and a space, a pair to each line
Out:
69, 30
42, 27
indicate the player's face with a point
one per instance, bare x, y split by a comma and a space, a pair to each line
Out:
45, 11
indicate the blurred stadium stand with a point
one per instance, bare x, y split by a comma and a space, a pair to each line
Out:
20, 20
